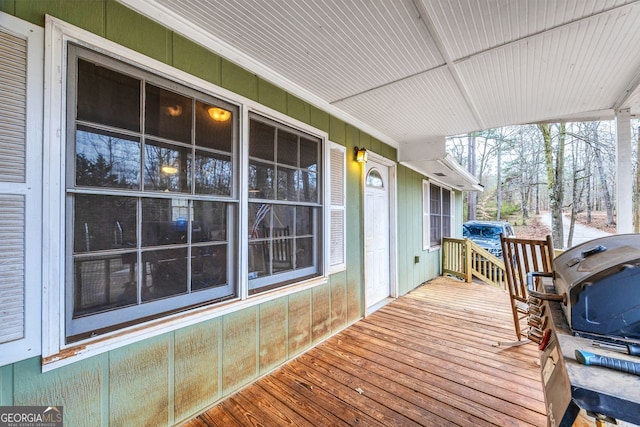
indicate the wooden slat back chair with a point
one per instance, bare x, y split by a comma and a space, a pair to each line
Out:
522, 256
281, 249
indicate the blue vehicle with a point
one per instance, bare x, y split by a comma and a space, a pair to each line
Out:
487, 234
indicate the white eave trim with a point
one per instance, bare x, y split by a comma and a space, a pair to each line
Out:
457, 178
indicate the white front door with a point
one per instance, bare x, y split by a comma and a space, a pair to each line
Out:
376, 231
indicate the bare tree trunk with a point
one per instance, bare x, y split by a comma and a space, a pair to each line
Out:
555, 180
472, 196
608, 203
537, 175
588, 184
636, 214
499, 179
575, 204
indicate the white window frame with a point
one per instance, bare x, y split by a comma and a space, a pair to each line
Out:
55, 352
426, 212
29, 345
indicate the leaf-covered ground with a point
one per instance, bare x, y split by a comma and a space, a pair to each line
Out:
598, 220
534, 229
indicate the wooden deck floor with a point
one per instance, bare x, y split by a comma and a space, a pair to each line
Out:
425, 359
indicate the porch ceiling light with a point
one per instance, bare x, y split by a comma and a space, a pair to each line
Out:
169, 170
219, 114
174, 110
361, 154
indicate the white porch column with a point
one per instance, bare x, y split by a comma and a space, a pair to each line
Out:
624, 173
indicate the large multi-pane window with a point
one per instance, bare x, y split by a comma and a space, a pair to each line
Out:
437, 214
151, 196
285, 207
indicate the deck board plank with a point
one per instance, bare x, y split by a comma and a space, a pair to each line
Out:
428, 358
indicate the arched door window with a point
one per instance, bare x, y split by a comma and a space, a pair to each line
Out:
374, 179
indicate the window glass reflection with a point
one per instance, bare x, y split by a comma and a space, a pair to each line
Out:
259, 259
167, 167
164, 221
304, 252
308, 186
209, 221
304, 220
208, 266
281, 250
374, 179
213, 173
287, 148
107, 159
261, 140
104, 282
261, 180
309, 154
287, 189
214, 127
259, 220
103, 222
284, 217
107, 97
164, 274
168, 114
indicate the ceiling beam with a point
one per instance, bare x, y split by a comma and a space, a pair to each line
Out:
425, 18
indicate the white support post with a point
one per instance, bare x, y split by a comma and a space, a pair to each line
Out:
624, 173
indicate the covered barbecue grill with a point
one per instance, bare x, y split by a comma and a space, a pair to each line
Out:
598, 283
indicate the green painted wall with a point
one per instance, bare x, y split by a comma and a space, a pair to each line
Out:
171, 377
411, 273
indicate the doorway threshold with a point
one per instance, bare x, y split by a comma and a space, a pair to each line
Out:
379, 305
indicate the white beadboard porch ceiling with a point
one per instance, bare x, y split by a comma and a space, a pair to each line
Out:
414, 70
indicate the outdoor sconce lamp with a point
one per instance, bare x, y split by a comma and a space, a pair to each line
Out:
361, 154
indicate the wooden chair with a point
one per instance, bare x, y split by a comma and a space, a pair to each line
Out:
278, 252
521, 257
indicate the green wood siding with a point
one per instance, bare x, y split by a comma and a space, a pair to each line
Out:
239, 80
136, 32
171, 377
321, 313
299, 322
298, 109
197, 367
274, 347
145, 401
196, 60
80, 388
89, 15
320, 119
272, 96
410, 273
339, 300
239, 349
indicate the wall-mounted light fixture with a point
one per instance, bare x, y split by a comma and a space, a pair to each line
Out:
219, 114
361, 155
